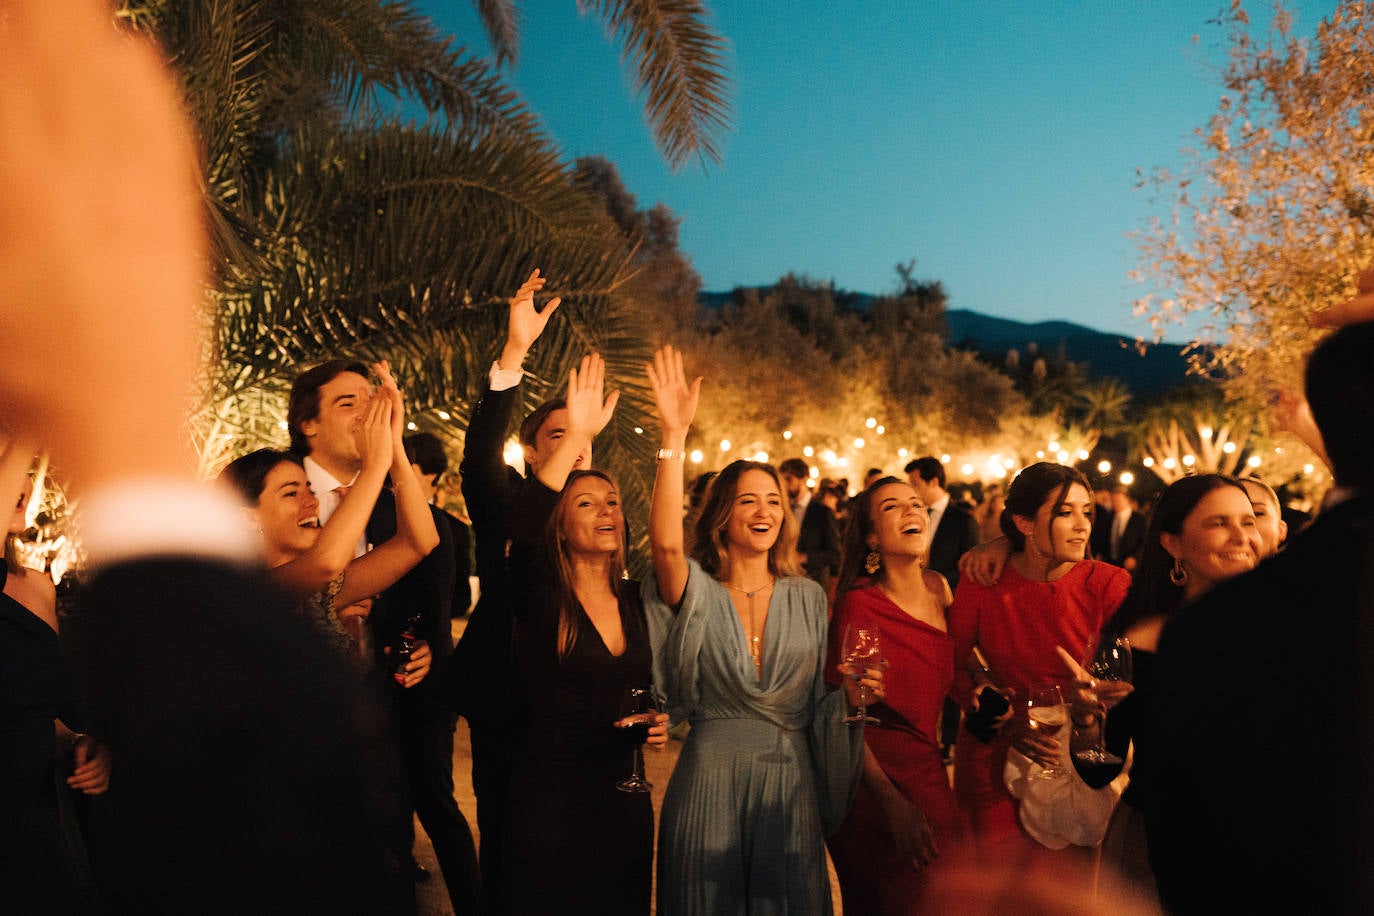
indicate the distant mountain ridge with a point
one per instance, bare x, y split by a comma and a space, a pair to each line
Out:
1161, 367
1102, 355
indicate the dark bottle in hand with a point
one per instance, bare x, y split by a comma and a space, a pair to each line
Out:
405, 644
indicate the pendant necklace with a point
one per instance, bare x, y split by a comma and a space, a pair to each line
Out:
755, 637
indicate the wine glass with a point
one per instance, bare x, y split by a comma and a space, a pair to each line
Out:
1111, 662
637, 711
862, 650
1046, 713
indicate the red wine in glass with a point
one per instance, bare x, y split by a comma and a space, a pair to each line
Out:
637, 712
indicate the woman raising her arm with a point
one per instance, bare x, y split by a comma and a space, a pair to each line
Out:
768, 768
574, 841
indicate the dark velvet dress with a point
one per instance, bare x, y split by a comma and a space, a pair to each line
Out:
574, 842
36, 870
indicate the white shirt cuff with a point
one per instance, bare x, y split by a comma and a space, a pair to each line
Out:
504, 379
143, 518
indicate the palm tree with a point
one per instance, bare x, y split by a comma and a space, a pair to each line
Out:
373, 192
1103, 405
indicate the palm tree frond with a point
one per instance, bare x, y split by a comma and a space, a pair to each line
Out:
501, 20
679, 64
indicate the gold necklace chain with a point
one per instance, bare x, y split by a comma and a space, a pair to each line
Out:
755, 637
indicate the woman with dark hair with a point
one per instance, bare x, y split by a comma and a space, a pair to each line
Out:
1048, 595
768, 768
317, 563
904, 813
573, 841
1203, 531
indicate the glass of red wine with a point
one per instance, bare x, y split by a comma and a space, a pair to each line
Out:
637, 712
1111, 662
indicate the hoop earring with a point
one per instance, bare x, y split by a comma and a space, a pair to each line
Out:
873, 562
1178, 575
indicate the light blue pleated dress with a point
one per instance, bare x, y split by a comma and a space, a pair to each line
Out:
768, 769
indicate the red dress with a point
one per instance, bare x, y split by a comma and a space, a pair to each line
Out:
1017, 623
873, 879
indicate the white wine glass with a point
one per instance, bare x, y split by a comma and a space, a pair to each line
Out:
862, 650
637, 712
1047, 716
1111, 662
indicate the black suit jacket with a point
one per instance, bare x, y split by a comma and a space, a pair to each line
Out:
819, 541
251, 768
958, 533
1263, 802
1132, 540
482, 659
426, 590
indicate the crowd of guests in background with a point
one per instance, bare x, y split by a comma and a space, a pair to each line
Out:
269, 686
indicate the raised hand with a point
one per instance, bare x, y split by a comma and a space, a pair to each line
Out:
525, 323
588, 413
676, 399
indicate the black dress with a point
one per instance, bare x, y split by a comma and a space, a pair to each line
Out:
574, 842
36, 871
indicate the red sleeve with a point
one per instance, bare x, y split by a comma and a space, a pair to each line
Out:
1115, 592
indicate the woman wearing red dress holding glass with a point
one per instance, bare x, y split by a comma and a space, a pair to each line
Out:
904, 816
1047, 595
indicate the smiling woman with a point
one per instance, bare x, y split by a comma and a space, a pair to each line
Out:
739, 640
1203, 531
317, 564
581, 642
1048, 595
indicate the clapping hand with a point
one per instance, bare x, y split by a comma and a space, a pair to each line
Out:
375, 434
388, 390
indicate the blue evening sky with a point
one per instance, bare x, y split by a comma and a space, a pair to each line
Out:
995, 142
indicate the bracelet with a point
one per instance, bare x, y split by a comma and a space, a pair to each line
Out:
666, 454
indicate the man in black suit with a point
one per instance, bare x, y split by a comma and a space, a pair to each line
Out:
819, 539
481, 683
1124, 534
247, 772
429, 461
956, 530
325, 403
1234, 826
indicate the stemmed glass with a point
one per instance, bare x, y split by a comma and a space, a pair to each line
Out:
1045, 710
637, 711
1111, 662
862, 650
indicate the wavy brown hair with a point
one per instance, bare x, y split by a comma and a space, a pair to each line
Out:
709, 541
556, 543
